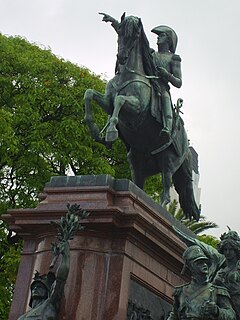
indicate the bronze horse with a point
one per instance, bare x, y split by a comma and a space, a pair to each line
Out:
130, 100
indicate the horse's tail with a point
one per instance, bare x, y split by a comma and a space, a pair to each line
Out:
182, 180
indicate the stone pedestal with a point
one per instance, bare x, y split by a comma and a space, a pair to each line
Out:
126, 259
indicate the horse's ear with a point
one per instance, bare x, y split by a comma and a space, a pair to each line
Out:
123, 16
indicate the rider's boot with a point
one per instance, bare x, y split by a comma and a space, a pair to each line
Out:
167, 129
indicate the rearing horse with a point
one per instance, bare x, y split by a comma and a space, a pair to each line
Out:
132, 99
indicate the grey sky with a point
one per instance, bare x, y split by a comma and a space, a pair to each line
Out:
208, 32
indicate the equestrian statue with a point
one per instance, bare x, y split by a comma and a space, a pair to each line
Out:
141, 112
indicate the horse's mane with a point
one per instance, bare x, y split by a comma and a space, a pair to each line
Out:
148, 65
131, 25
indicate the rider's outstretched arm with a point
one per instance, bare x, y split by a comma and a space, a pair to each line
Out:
107, 18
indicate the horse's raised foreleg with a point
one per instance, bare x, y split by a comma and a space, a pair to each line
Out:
119, 102
103, 100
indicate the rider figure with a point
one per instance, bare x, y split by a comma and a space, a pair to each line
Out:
168, 66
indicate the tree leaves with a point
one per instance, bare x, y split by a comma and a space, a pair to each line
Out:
69, 224
42, 132
196, 227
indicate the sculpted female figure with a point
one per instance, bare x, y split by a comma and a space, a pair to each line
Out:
229, 275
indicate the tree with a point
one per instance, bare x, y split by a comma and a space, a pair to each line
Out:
42, 134
42, 131
9, 260
196, 227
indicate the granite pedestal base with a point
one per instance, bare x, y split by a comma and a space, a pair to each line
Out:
126, 262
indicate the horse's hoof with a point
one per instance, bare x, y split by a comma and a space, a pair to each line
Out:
111, 136
164, 202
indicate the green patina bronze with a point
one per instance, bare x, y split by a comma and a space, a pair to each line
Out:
47, 289
200, 299
223, 264
228, 274
141, 111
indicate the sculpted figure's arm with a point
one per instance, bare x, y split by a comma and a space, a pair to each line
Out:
226, 311
222, 309
61, 274
108, 18
175, 76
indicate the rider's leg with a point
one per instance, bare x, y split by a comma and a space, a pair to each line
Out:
167, 114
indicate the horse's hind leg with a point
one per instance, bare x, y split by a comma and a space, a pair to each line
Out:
166, 182
137, 165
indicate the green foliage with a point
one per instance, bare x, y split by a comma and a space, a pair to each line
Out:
196, 227
153, 187
42, 131
69, 224
9, 260
208, 239
42, 134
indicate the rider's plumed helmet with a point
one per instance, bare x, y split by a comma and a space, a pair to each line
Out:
171, 35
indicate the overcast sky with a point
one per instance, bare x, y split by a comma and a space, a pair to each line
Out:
209, 45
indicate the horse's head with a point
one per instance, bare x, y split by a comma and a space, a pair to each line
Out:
128, 33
